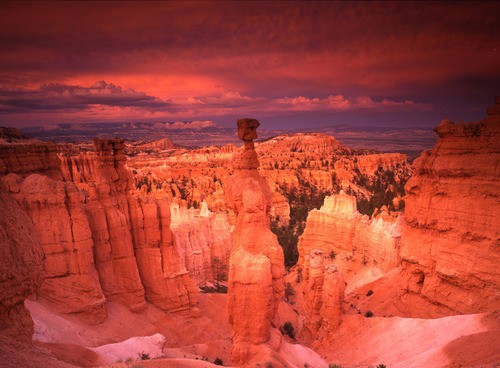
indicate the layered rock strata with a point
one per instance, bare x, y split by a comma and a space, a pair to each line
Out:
21, 268
323, 292
203, 241
450, 242
101, 241
340, 232
339, 243
256, 262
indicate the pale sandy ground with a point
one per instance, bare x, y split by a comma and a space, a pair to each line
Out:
125, 335
456, 341
393, 339
119, 341
413, 342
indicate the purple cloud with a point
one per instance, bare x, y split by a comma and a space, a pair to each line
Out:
55, 96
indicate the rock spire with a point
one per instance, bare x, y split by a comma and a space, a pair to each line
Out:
256, 261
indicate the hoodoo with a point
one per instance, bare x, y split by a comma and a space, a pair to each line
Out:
256, 261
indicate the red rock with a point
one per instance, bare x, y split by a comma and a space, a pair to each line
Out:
450, 239
339, 228
256, 261
21, 268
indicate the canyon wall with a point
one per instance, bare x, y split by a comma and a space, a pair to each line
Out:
291, 162
341, 233
445, 248
340, 244
21, 268
102, 241
450, 242
202, 240
256, 261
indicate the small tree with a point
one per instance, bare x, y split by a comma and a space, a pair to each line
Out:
218, 361
220, 272
288, 330
289, 291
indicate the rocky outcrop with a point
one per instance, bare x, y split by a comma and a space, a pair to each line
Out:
21, 268
167, 283
10, 134
280, 209
341, 233
57, 211
323, 292
450, 241
338, 245
25, 158
202, 239
101, 241
317, 143
256, 261
292, 163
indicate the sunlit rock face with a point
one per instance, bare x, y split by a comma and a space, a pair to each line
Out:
21, 268
202, 238
256, 262
57, 211
102, 240
450, 241
290, 163
323, 292
339, 243
341, 233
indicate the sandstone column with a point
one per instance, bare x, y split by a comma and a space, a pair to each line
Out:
256, 265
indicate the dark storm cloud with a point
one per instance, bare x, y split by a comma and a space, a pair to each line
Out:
51, 97
425, 52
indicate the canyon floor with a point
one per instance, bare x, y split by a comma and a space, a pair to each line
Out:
454, 341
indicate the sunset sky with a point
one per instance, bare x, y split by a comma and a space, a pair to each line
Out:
289, 64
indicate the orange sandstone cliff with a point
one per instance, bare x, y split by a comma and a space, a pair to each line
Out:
444, 249
202, 239
256, 262
450, 242
102, 241
21, 268
338, 245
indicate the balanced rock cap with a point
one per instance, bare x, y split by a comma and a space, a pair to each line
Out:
247, 129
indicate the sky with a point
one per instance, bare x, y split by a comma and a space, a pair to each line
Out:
288, 64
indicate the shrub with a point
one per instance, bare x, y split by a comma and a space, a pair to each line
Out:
218, 361
299, 275
332, 255
334, 366
369, 292
289, 291
219, 268
144, 356
381, 366
368, 314
288, 329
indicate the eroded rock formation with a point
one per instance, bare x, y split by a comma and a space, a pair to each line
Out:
340, 244
202, 239
21, 268
102, 240
323, 291
256, 261
450, 242
341, 233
